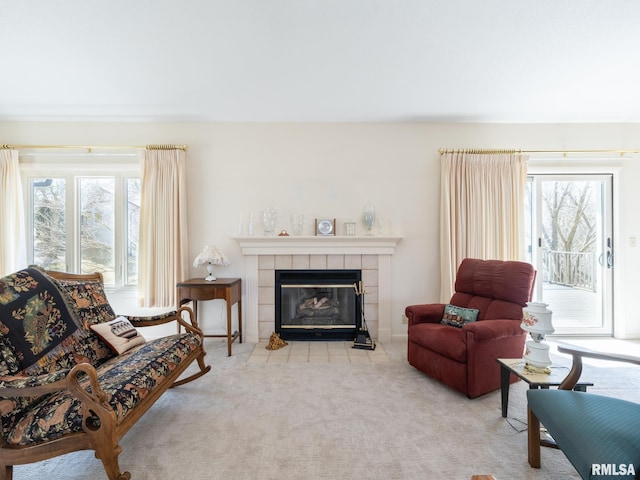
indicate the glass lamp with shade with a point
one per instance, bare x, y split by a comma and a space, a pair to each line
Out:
209, 257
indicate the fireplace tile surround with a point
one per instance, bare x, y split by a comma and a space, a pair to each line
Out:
264, 255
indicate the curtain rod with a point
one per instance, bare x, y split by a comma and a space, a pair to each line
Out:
97, 147
509, 151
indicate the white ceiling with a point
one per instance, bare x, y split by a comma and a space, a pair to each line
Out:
320, 60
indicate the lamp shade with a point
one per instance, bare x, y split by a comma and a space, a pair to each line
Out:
536, 318
212, 256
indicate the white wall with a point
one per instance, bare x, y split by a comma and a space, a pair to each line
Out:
332, 170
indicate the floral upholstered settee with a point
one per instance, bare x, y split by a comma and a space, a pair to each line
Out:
64, 387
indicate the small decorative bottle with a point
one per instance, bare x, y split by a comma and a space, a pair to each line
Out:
369, 217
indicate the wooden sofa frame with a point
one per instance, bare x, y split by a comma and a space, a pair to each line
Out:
104, 436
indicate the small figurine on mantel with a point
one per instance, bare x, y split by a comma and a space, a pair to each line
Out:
283, 233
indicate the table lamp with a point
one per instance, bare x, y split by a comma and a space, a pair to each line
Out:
210, 256
537, 321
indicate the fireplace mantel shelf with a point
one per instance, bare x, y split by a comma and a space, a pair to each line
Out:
310, 245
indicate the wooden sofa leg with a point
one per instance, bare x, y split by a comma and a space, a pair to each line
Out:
533, 436
111, 467
6, 472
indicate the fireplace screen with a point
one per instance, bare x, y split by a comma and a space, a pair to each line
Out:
317, 304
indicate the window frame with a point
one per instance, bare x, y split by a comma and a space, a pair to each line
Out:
72, 167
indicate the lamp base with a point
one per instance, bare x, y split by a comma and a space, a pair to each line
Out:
533, 369
210, 277
537, 355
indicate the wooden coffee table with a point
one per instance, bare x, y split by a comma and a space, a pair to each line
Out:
535, 380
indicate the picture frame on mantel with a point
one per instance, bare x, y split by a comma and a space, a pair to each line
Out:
325, 227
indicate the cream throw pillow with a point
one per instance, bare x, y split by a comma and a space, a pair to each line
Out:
119, 334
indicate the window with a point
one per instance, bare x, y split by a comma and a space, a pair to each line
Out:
83, 214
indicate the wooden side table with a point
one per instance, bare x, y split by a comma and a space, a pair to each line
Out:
227, 289
535, 380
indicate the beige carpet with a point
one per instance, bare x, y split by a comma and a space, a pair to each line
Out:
374, 420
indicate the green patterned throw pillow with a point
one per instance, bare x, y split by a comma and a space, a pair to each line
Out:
458, 316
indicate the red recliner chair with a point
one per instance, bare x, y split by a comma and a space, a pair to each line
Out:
464, 358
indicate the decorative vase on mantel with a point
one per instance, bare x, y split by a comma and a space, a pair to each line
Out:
369, 217
269, 217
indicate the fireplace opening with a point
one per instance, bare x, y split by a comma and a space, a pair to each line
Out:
317, 304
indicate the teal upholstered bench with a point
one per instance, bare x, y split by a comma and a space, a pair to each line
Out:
599, 435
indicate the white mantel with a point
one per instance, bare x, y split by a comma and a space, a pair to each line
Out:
297, 247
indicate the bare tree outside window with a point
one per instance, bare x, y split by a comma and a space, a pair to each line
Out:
97, 226
133, 228
49, 222
570, 232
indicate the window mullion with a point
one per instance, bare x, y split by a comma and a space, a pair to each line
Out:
119, 230
73, 224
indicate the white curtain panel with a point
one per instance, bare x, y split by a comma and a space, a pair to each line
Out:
481, 210
163, 255
12, 230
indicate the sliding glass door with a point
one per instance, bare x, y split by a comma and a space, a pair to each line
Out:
569, 231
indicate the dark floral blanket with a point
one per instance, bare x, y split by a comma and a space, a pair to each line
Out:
34, 317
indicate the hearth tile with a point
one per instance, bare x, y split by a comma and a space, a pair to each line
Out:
370, 262
266, 262
284, 262
298, 358
277, 359
353, 262
318, 262
338, 353
266, 296
299, 347
266, 278
359, 358
335, 262
300, 262
317, 352
318, 358
369, 278
261, 349
379, 359
281, 352
339, 359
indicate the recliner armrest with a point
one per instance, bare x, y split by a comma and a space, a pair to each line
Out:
426, 313
494, 329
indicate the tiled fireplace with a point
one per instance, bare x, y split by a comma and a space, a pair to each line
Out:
264, 255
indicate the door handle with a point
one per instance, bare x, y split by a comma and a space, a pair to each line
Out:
609, 253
